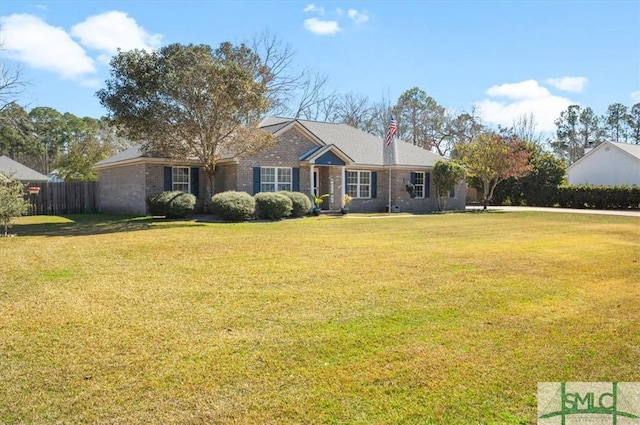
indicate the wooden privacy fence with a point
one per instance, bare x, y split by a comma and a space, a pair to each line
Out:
64, 198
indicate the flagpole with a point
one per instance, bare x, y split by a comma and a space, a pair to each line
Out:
390, 181
389, 139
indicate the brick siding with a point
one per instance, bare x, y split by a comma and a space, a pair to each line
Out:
122, 190
286, 152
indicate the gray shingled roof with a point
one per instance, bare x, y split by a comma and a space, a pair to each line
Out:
363, 147
133, 152
633, 150
136, 152
272, 128
11, 168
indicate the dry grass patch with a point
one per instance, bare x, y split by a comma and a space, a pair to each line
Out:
444, 319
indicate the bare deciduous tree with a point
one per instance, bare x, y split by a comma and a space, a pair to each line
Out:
524, 128
354, 110
291, 91
11, 83
312, 96
276, 69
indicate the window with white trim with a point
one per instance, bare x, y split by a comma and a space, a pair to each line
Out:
418, 184
181, 179
359, 184
275, 179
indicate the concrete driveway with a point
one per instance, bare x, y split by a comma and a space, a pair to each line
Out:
627, 213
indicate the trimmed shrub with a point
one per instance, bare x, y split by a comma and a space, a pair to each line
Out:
600, 197
174, 204
301, 203
272, 205
233, 206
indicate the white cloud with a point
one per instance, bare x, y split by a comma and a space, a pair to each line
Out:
313, 8
331, 26
114, 30
358, 17
570, 84
635, 96
321, 27
29, 39
523, 98
528, 89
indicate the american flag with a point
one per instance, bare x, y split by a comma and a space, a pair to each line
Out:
393, 129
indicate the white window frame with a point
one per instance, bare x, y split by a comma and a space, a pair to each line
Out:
419, 186
359, 185
279, 179
178, 185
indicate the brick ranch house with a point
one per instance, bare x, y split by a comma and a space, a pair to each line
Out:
308, 156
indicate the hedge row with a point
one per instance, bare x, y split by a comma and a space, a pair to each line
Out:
577, 196
239, 206
599, 197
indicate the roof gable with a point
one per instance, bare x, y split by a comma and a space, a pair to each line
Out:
327, 155
329, 158
632, 150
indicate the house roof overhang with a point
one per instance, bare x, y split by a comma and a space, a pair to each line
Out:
160, 161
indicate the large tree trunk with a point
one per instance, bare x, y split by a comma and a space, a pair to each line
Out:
209, 187
486, 194
488, 189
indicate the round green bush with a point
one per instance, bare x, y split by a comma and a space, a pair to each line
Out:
301, 203
272, 206
174, 204
233, 206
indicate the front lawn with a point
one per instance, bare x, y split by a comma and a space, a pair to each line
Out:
443, 319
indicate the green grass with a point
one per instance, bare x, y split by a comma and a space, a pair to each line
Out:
438, 319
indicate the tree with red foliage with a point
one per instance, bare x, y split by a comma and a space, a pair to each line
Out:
492, 158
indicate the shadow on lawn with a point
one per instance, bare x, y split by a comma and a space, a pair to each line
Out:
97, 224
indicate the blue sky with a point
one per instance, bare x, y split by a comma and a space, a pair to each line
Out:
505, 58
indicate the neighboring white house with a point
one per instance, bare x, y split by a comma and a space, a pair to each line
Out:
608, 164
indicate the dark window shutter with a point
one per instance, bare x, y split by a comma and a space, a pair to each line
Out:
168, 178
427, 184
412, 179
374, 184
296, 180
452, 194
256, 180
195, 181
